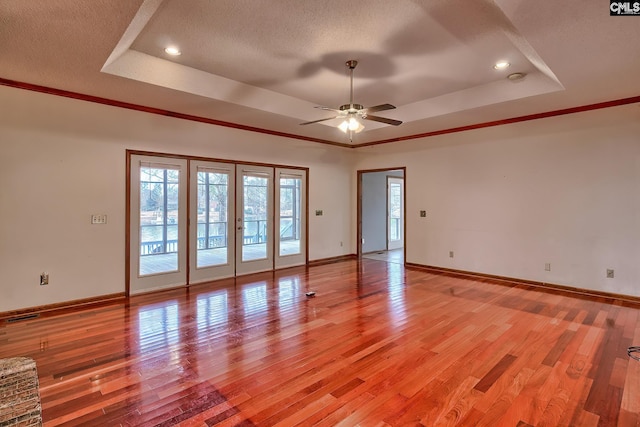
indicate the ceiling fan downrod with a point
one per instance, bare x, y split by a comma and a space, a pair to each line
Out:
351, 64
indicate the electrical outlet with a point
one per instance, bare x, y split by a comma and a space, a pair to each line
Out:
423, 214
609, 273
44, 279
319, 212
98, 219
450, 254
547, 267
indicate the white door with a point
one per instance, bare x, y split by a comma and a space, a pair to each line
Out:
291, 216
212, 211
254, 219
395, 213
158, 233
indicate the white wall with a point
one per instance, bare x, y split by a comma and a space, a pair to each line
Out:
508, 199
64, 160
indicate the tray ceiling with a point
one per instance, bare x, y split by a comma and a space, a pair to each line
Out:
268, 64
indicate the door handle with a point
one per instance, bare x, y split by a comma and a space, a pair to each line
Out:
240, 228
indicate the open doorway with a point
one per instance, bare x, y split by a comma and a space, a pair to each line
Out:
381, 214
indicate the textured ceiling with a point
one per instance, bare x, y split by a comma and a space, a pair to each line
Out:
268, 64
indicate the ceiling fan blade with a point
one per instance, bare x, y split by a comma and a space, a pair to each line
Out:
383, 120
321, 120
381, 107
320, 107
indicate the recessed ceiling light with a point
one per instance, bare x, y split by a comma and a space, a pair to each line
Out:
501, 65
172, 50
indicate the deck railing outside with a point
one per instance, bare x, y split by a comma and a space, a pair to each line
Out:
257, 233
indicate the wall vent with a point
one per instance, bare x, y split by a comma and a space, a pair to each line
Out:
25, 317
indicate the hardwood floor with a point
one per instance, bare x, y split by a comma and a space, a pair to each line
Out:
379, 345
394, 255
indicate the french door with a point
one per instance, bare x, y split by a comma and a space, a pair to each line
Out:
291, 217
254, 219
241, 219
211, 234
158, 223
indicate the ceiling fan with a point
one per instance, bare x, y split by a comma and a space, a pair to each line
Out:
351, 113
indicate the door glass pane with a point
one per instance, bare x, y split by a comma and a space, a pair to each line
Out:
254, 237
158, 220
213, 213
395, 209
289, 216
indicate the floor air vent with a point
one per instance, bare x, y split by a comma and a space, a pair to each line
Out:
25, 317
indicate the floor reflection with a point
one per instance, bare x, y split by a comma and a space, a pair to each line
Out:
288, 291
397, 292
254, 298
384, 272
212, 309
159, 326
395, 273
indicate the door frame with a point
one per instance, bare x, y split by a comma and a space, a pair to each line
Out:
390, 179
128, 205
360, 173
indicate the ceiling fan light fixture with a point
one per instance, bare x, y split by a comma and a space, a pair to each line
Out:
355, 125
351, 113
351, 125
